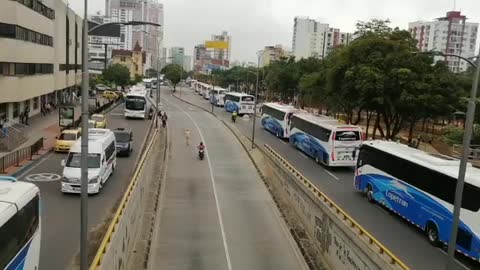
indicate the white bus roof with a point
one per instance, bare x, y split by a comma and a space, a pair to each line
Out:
96, 138
238, 94
280, 107
138, 93
219, 88
14, 194
443, 164
324, 121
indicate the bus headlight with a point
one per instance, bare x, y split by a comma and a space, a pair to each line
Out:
93, 180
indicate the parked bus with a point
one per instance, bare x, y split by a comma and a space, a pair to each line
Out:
137, 104
276, 118
326, 140
147, 83
239, 102
217, 96
420, 187
20, 224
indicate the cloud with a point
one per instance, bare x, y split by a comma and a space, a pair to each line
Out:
254, 24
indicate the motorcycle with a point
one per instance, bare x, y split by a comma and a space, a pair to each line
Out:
201, 154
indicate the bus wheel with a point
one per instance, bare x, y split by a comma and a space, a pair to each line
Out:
369, 193
432, 233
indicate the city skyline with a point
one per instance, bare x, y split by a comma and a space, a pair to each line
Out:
271, 22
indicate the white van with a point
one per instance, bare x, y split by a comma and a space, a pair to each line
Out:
102, 160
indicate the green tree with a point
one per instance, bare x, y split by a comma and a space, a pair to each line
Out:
173, 73
138, 78
117, 74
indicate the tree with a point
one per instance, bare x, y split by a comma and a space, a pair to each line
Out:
118, 74
173, 73
374, 27
138, 78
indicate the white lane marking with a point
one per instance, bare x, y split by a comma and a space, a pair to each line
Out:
117, 114
212, 178
457, 261
332, 175
304, 155
35, 166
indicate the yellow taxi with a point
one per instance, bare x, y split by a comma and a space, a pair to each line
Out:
100, 119
66, 139
110, 95
91, 124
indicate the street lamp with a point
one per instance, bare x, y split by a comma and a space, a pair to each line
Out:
259, 54
84, 135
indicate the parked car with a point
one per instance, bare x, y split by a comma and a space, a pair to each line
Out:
124, 141
110, 95
66, 139
101, 87
100, 120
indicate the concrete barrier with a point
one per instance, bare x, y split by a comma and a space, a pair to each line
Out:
116, 246
343, 243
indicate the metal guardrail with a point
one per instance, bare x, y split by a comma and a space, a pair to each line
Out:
393, 260
14, 158
473, 153
97, 260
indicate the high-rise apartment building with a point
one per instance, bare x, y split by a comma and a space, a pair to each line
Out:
451, 34
178, 55
222, 55
201, 57
148, 36
187, 63
314, 39
271, 54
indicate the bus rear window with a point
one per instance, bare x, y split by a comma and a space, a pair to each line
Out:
347, 135
247, 99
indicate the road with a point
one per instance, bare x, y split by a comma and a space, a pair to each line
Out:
61, 212
404, 240
215, 213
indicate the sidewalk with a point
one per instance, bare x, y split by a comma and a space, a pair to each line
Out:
40, 126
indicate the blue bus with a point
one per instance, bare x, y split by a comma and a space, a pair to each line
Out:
276, 118
239, 102
420, 187
325, 139
19, 224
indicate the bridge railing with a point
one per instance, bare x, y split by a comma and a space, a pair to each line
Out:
473, 152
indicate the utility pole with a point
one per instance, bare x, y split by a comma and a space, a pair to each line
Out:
84, 147
259, 54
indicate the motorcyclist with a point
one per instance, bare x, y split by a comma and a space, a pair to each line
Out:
201, 146
234, 116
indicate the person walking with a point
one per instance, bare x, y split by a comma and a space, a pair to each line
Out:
27, 114
164, 119
187, 136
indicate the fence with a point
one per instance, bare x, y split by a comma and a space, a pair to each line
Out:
473, 153
14, 158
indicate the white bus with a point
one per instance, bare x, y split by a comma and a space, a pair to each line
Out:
147, 83
102, 159
325, 140
217, 96
420, 187
20, 224
239, 102
276, 118
137, 104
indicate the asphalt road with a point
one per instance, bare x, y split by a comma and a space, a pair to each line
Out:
61, 212
215, 213
404, 240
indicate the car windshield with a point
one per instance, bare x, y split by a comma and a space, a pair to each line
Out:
122, 137
91, 124
97, 118
67, 137
73, 160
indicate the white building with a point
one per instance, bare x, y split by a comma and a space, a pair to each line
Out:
450, 34
314, 39
222, 54
100, 47
187, 63
177, 54
40, 55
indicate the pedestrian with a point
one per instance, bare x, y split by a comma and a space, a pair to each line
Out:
22, 118
187, 136
164, 119
27, 112
2, 122
47, 107
43, 110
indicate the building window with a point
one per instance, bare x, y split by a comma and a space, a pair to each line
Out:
21, 33
21, 69
16, 109
35, 103
122, 59
8, 69
39, 7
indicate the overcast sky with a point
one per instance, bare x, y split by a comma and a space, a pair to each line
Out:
254, 24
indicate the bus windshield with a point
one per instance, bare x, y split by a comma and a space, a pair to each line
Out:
135, 103
247, 99
347, 135
73, 160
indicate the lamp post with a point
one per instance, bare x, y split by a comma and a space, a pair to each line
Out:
84, 135
259, 54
